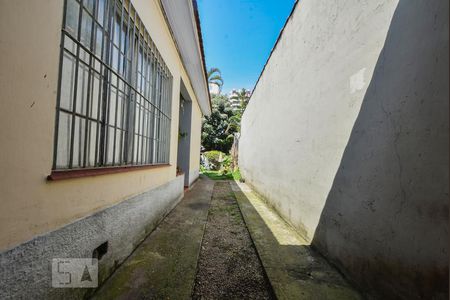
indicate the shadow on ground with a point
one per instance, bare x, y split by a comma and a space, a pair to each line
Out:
294, 269
385, 220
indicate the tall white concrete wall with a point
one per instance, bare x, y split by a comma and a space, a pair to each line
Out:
346, 135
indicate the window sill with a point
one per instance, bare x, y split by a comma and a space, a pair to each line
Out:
79, 173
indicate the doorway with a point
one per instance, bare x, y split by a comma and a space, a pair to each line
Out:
184, 137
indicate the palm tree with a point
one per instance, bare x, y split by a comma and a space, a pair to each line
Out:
234, 122
215, 78
243, 96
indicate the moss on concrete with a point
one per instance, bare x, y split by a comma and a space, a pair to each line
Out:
164, 265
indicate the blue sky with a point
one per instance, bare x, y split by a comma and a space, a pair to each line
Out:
238, 36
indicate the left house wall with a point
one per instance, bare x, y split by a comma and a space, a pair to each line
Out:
40, 219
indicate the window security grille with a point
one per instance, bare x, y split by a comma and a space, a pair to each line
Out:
114, 102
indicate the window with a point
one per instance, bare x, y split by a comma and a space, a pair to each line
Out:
114, 102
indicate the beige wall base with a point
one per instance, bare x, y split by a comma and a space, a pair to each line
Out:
123, 226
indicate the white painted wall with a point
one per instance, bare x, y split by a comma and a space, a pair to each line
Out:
346, 134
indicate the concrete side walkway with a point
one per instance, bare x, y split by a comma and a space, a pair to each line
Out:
294, 270
164, 265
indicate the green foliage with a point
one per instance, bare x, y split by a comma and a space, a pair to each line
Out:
218, 129
213, 155
216, 175
234, 122
214, 159
216, 132
237, 174
243, 96
225, 166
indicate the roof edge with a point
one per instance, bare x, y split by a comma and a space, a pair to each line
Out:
202, 50
195, 18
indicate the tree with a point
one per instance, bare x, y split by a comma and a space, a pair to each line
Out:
216, 134
234, 123
215, 78
243, 96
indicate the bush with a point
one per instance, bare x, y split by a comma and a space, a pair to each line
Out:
237, 175
212, 160
225, 167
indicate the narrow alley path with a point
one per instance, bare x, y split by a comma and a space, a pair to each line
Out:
228, 265
205, 249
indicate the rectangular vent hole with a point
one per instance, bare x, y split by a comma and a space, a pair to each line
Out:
100, 251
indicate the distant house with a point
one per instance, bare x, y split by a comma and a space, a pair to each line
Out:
235, 104
214, 89
101, 103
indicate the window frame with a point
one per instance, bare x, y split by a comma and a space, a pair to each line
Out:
145, 88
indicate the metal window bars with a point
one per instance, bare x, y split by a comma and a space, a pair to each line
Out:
114, 95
